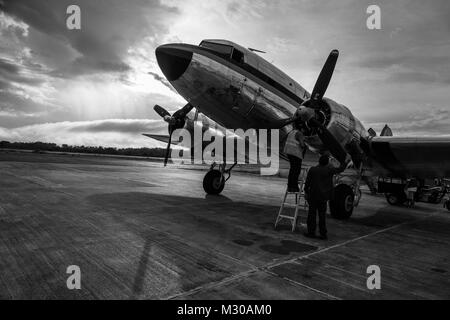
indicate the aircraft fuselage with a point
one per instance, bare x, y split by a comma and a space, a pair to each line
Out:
243, 91
238, 89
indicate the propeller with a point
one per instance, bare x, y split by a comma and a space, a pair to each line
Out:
175, 121
308, 112
325, 76
330, 141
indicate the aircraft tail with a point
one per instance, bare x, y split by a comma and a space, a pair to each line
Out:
386, 132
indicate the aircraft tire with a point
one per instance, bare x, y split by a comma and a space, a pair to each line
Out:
212, 182
342, 204
395, 199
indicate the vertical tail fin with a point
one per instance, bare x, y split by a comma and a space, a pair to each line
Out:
387, 132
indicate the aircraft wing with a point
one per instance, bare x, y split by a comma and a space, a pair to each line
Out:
422, 157
202, 146
207, 124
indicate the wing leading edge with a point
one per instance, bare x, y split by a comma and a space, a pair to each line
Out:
421, 157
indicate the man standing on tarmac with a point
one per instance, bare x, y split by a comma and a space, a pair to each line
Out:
318, 191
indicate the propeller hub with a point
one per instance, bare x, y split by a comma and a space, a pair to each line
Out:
169, 119
304, 114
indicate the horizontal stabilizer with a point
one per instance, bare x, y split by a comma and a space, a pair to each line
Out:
159, 137
372, 132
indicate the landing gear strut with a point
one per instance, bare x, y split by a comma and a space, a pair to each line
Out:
214, 181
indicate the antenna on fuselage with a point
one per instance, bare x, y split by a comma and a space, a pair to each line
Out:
256, 50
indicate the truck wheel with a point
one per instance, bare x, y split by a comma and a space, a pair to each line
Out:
395, 199
447, 205
213, 183
342, 204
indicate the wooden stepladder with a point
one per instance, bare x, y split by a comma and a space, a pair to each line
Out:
300, 202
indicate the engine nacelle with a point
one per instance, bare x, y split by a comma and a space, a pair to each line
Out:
340, 122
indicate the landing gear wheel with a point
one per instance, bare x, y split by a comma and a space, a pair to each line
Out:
447, 205
395, 199
342, 204
214, 182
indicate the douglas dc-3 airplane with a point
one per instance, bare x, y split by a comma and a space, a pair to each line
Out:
238, 89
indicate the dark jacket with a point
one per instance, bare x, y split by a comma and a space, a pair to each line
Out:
319, 182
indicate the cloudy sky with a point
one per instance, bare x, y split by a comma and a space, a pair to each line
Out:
98, 85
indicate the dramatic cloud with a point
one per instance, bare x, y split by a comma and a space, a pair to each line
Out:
74, 81
163, 80
11, 72
109, 29
106, 70
430, 121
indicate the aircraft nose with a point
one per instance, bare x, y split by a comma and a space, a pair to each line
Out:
173, 61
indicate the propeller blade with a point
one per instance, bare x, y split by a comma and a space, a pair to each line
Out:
330, 141
166, 158
325, 76
183, 112
333, 145
163, 113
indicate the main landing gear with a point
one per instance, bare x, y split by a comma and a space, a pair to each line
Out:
214, 181
342, 203
346, 198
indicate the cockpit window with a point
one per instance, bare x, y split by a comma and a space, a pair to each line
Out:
222, 49
237, 56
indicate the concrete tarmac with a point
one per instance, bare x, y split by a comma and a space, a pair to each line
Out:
139, 231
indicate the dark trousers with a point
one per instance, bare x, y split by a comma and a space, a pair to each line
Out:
317, 207
294, 171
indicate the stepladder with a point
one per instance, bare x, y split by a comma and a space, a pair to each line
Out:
298, 203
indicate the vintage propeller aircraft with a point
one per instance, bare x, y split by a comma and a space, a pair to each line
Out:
238, 89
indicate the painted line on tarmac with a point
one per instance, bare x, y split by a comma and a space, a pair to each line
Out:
266, 268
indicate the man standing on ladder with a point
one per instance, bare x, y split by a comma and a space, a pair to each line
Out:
295, 150
318, 190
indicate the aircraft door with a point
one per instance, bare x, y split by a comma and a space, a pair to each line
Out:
245, 96
242, 93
